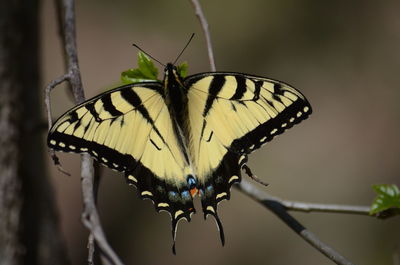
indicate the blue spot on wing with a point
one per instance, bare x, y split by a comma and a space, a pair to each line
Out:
186, 195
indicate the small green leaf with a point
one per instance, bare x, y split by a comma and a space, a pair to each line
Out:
182, 69
147, 67
145, 72
388, 198
133, 76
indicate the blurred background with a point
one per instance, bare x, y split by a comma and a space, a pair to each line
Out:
343, 55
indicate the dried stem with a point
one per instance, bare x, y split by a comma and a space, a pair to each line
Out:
204, 26
90, 218
91, 248
47, 93
256, 194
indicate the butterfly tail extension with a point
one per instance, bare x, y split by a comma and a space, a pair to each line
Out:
210, 205
218, 222
218, 185
177, 201
178, 214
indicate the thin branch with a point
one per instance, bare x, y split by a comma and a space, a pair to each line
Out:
257, 194
90, 216
91, 247
204, 25
282, 212
91, 242
47, 91
326, 208
47, 103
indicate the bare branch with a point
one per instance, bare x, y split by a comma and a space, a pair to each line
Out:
91, 247
259, 195
47, 91
282, 212
327, 208
204, 25
90, 216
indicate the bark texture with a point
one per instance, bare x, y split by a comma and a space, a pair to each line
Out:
29, 230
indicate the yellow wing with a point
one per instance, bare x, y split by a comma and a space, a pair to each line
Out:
130, 129
231, 115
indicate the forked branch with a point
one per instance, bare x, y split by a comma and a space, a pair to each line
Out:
66, 17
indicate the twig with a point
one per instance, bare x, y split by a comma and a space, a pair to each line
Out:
281, 211
304, 206
326, 208
47, 91
90, 216
204, 25
91, 242
91, 248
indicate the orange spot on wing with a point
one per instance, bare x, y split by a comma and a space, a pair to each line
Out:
193, 192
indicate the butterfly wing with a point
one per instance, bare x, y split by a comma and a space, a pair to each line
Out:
129, 129
231, 115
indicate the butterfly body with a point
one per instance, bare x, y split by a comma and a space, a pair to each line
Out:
182, 136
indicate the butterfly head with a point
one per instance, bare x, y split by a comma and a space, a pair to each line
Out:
170, 69
172, 75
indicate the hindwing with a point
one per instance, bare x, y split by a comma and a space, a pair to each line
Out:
230, 116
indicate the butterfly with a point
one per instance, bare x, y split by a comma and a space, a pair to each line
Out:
183, 136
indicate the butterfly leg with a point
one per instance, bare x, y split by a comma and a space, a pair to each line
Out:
247, 170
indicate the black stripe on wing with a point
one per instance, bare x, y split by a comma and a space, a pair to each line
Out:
240, 89
216, 84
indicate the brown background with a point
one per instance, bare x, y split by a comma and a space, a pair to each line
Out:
343, 55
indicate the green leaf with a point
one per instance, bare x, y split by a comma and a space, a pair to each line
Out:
388, 198
145, 72
133, 76
182, 69
147, 67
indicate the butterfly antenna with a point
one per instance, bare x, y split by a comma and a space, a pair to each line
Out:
184, 48
140, 49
